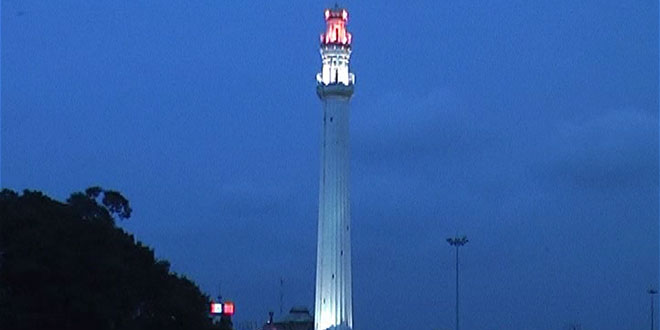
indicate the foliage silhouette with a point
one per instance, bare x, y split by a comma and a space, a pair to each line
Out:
68, 266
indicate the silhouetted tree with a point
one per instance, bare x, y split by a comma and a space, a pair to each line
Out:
68, 266
225, 323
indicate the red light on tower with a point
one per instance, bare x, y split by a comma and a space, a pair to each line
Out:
335, 32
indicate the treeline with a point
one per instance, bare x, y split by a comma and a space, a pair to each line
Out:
66, 265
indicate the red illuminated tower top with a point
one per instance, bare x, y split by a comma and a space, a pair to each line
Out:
335, 52
335, 32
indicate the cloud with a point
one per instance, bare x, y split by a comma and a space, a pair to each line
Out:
253, 199
616, 149
437, 124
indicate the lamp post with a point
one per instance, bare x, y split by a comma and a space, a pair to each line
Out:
457, 242
652, 292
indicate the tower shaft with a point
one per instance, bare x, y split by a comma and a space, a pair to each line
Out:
333, 267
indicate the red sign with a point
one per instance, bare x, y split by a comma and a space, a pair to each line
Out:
226, 308
216, 308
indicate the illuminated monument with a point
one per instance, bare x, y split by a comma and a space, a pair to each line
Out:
333, 307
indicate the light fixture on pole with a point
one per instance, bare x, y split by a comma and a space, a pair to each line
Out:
651, 291
457, 242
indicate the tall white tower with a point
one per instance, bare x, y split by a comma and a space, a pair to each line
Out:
334, 302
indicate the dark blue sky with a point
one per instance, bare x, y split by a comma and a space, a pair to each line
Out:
530, 126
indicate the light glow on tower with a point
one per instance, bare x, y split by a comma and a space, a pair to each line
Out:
336, 49
335, 32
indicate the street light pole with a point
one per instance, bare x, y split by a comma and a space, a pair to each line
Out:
652, 292
457, 242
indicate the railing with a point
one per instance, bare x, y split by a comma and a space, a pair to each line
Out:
351, 78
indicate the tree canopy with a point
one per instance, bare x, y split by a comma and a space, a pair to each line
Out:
66, 265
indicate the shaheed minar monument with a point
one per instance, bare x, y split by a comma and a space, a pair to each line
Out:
333, 308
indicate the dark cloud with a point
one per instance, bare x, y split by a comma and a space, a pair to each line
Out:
617, 149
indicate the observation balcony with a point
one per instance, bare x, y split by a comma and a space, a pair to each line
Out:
351, 80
